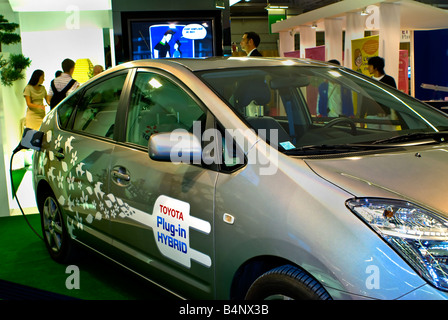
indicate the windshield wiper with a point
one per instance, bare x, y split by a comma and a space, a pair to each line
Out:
438, 137
396, 141
332, 149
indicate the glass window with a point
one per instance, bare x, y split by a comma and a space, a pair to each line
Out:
98, 107
314, 107
159, 105
65, 110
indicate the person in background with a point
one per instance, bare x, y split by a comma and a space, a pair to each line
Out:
64, 84
57, 73
334, 100
97, 69
376, 69
380, 112
249, 43
35, 94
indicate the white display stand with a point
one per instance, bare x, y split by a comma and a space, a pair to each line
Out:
12, 111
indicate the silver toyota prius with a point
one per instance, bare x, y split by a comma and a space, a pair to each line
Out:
250, 178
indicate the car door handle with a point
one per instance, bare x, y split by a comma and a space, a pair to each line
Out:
121, 176
59, 154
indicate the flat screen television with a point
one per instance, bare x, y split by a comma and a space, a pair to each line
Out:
172, 37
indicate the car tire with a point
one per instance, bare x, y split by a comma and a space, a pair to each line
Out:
286, 283
57, 240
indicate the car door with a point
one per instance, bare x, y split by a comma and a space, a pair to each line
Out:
82, 152
163, 212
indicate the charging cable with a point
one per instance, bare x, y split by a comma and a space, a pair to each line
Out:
31, 139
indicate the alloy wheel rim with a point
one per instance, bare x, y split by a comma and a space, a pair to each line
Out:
52, 224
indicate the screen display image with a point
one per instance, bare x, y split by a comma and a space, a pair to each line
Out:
183, 39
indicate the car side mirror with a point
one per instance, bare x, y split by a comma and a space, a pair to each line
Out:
178, 146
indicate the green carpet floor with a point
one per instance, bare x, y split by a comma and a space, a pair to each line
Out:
24, 261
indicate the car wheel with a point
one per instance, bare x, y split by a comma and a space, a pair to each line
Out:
56, 238
286, 283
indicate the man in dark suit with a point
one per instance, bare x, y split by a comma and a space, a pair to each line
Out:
376, 69
249, 44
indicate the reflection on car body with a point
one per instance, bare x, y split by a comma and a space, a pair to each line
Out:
215, 178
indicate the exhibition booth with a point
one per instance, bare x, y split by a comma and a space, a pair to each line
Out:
405, 33
110, 32
104, 32
410, 35
50, 32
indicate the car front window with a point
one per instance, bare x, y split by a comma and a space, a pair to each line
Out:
293, 107
159, 105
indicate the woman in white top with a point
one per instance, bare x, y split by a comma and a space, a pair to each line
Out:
35, 93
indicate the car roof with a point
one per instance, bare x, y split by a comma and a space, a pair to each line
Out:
202, 64
212, 63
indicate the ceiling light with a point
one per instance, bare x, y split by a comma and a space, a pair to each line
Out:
219, 4
275, 7
271, 7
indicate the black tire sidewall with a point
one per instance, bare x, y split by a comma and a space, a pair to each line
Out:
298, 287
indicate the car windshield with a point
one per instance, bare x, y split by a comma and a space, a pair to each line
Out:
315, 108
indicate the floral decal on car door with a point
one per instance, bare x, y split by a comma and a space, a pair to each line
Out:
170, 218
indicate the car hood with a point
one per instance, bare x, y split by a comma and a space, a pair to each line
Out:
417, 174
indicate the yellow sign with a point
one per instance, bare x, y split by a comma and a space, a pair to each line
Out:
362, 50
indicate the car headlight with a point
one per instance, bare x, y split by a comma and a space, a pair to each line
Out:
419, 235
